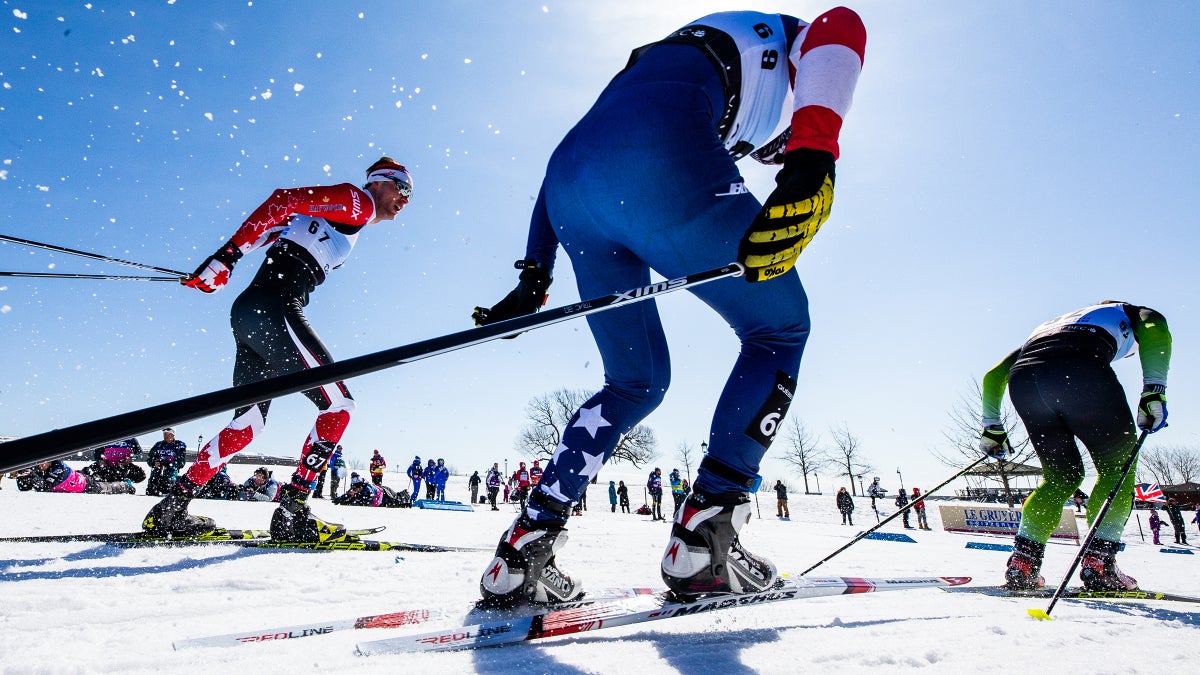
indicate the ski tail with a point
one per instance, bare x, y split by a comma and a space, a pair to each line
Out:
398, 619
141, 538
356, 545
584, 617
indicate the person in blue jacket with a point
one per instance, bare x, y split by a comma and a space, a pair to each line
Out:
441, 478
415, 474
646, 181
431, 472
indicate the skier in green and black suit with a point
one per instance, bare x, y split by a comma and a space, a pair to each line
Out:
1063, 387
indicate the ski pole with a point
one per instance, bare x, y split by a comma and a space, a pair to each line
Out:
1044, 615
887, 520
65, 442
105, 277
93, 256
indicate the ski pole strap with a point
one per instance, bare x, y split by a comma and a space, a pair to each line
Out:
544, 502
721, 470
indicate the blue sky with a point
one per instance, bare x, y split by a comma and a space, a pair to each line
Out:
1003, 163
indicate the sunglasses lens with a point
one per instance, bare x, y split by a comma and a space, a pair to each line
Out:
404, 188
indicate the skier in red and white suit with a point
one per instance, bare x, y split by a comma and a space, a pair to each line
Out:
310, 231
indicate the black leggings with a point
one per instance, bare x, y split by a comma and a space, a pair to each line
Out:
274, 338
1060, 399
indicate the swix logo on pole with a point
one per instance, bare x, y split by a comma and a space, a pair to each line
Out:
648, 290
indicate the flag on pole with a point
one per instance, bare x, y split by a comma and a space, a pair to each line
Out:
1148, 492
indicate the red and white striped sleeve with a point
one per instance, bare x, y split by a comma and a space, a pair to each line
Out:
342, 203
827, 57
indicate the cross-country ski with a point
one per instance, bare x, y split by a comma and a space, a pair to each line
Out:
552, 621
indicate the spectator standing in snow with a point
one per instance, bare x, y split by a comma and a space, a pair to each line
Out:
654, 487
416, 473
1177, 525
473, 483
874, 491
441, 478
623, 495
919, 507
494, 480
1155, 525
431, 472
337, 471
676, 492
376, 467
901, 502
845, 504
612, 495
781, 501
166, 459
520, 481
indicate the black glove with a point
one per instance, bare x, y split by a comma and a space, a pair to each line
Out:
791, 216
993, 442
1152, 408
527, 298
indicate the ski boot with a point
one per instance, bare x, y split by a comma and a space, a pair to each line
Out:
293, 521
169, 517
1024, 565
704, 555
524, 570
1098, 569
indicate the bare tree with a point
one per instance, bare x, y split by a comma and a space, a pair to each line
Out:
687, 453
548, 417
963, 431
1170, 464
846, 454
802, 450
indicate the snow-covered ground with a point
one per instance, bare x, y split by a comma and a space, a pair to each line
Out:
86, 607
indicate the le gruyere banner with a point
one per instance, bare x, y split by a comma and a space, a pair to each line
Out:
999, 520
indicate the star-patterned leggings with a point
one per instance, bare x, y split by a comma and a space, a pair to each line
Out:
643, 182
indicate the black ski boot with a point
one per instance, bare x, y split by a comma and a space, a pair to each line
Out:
704, 555
1098, 569
524, 570
1024, 565
170, 518
293, 521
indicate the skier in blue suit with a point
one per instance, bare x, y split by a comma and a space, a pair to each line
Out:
648, 180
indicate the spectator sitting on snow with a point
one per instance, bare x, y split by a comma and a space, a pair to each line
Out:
56, 476
115, 465
219, 487
260, 487
362, 493
166, 458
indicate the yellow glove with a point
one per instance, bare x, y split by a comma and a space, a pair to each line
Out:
791, 216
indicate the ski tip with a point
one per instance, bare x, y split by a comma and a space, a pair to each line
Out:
956, 581
1039, 614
